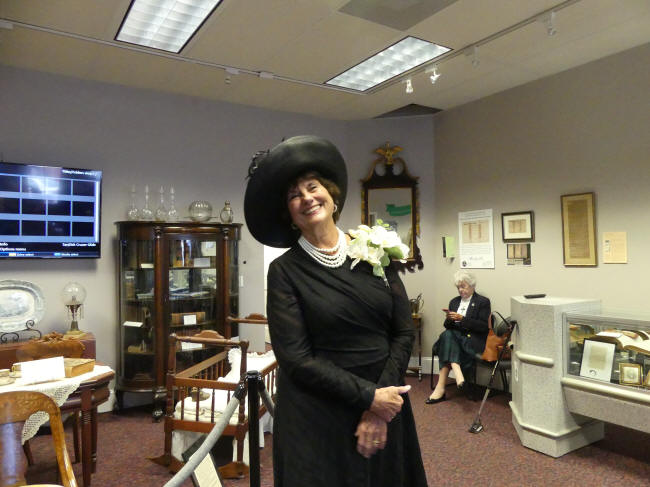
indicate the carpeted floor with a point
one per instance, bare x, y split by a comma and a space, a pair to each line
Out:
452, 456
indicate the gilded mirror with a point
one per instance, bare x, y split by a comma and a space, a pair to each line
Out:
389, 193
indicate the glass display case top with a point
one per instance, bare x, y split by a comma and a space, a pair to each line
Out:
611, 347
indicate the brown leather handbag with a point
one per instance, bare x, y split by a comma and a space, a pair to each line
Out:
494, 344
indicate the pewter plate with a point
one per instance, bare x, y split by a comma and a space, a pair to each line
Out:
20, 302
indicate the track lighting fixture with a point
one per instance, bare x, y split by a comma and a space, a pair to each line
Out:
230, 72
549, 23
434, 75
409, 86
473, 53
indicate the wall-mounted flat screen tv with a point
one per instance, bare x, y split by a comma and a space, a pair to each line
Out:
49, 212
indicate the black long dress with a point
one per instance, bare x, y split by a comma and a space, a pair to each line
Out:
338, 334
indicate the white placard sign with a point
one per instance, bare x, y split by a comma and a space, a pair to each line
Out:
190, 346
201, 261
189, 319
476, 239
135, 324
597, 360
43, 370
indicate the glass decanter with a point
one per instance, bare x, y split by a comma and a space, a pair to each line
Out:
133, 213
226, 215
172, 214
146, 213
161, 211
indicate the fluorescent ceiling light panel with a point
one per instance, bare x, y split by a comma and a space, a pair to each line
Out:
393, 61
164, 24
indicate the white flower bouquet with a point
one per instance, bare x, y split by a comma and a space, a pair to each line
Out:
376, 245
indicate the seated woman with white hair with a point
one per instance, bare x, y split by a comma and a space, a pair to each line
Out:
466, 329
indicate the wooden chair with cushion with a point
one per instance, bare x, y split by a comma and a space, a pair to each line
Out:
15, 409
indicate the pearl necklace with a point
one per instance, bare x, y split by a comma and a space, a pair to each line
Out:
334, 257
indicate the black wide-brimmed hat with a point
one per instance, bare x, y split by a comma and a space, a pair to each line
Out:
265, 201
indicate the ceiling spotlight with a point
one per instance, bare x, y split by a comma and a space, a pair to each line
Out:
409, 86
473, 53
230, 72
434, 75
549, 23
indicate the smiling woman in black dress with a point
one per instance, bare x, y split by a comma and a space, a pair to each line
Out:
342, 337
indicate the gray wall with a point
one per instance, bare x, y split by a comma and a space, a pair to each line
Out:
139, 137
586, 129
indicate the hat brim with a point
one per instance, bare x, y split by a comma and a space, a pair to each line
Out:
265, 201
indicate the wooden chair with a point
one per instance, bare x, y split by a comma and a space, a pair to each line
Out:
15, 409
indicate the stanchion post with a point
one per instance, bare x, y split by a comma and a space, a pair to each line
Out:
253, 379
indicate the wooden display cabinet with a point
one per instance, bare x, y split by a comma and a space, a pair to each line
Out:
173, 278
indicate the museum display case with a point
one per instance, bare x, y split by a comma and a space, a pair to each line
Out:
177, 278
607, 367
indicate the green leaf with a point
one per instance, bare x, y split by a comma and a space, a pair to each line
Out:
395, 252
378, 270
385, 260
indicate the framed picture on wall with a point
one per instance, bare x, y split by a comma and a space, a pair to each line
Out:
518, 226
579, 229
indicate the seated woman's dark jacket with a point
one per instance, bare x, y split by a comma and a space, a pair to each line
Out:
474, 324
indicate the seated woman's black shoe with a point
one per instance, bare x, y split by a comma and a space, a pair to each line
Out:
465, 389
434, 401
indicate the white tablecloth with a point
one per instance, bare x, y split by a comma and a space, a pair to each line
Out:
59, 390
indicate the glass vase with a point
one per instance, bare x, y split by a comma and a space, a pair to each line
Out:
200, 211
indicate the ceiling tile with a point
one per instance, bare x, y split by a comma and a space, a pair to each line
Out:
78, 16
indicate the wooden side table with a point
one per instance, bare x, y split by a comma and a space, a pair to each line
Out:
417, 324
90, 394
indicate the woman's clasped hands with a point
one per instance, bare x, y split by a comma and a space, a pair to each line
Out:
372, 429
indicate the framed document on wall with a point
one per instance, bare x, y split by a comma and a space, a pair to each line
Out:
579, 229
518, 226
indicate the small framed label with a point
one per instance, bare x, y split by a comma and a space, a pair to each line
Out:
190, 346
146, 265
202, 262
134, 324
189, 319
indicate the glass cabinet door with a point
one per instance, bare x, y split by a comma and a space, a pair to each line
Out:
137, 337
233, 268
193, 284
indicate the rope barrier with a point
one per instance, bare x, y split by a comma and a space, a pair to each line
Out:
210, 440
255, 387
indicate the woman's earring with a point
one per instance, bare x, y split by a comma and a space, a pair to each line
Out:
336, 208
293, 225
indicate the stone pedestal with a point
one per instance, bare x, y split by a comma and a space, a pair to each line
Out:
539, 411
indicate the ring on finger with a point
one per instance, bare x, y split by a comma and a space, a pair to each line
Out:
375, 442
